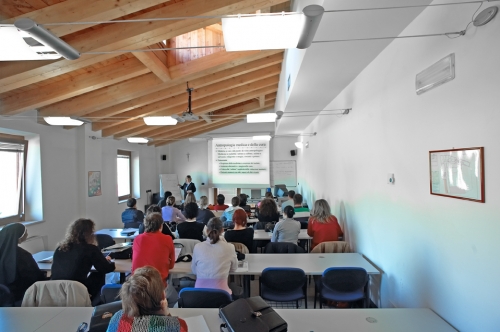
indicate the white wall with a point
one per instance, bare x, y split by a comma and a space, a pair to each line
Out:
66, 156
434, 252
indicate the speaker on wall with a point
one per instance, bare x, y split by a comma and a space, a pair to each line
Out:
293, 153
163, 157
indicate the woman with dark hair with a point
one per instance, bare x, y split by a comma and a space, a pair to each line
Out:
144, 306
213, 259
268, 213
220, 204
240, 233
18, 269
190, 229
77, 253
288, 229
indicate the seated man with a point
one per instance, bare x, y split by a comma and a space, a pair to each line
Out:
227, 216
220, 204
163, 202
132, 217
289, 202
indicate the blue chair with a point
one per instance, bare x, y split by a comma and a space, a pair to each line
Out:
283, 284
104, 241
283, 248
203, 298
342, 284
110, 293
5, 297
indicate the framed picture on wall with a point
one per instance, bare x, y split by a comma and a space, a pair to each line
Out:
94, 183
457, 173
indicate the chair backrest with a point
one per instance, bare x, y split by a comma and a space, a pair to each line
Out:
57, 293
332, 247
218, 214
344, 279
203, 298
188, 245
110, 293
5, 296
283, 279
104, 241
240, 247
283, 248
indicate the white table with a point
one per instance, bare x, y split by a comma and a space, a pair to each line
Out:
260, 234
299, 320
115, 233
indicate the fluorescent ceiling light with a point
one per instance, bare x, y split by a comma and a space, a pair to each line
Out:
18, 45
62, 121
261, 117
159, 121
137, 140
262, 32
262, 138
299, 145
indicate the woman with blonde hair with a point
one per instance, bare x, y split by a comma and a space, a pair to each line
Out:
144, 306
322, 225
77, 253
204, 214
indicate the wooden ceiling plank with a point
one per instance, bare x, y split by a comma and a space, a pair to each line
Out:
148, 88
68, 88
157, 67
123, 36
262, 100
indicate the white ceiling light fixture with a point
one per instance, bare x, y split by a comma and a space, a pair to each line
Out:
137, 140
262, 138
160, 121
272, 31
62, 121
261, 117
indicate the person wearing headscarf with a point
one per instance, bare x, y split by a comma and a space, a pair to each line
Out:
18, 269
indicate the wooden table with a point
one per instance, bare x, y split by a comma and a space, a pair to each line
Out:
299, 320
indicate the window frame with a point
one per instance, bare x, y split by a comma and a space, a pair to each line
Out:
21, 209
129, 154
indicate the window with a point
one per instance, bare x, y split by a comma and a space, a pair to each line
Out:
13, 151
124, 174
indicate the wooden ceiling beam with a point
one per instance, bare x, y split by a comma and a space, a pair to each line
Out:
71, 87
151, 131
157, 67
83, 11
148, 88
181, 99
125, 36
165, 109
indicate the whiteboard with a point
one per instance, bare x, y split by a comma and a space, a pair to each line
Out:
169, 182
457, 173
284, 172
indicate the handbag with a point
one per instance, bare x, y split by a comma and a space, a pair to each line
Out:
125, 254
251, 315
102, 315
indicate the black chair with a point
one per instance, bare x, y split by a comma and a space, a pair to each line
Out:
203, 298
110, 293
104, 241
283, 248
283, 284
304, 221
5, 297
343, 284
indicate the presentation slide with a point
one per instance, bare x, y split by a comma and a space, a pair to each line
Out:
240, 161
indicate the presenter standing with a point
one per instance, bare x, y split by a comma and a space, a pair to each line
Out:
188, 186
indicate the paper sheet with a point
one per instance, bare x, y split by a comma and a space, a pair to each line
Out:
177, 253
242, 267
197, 323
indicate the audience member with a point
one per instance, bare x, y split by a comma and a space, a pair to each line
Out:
297, 204
288, 202
323, 226
154, 248
227, 216
240, 233
268, 213
288, 229
163, 202
213, 259
132, 217
77, 254
18, 269
220, 204
144, 306
165, 229
171, 213
243, 204
268, 194
204, 214
191, 229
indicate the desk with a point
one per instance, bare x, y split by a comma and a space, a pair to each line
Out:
299, 320
260, 234
115, 233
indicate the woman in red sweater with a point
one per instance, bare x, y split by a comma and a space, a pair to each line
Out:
154, 248
322, 225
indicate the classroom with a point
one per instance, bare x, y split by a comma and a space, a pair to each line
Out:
349, 126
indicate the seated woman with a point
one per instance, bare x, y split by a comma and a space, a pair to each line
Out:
213, 259
220, 204
323, 226
204, 214
268, 213
240, 233
144, 306
171, 213
18, 269
154, 248
77, 253
165, 229
244, 205
288, 229
191, 229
